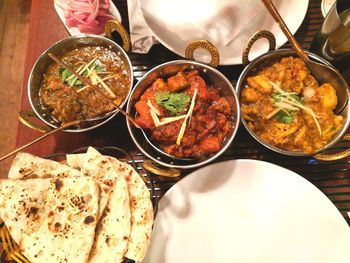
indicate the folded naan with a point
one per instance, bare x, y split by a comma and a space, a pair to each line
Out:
26, 165
141, 211
52, 220
113, 229
125, 215
140, 207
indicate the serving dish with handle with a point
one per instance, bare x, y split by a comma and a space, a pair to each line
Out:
274, 56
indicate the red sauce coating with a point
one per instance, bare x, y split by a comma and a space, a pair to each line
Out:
210, 123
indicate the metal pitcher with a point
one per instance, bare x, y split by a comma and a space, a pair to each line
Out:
332, 42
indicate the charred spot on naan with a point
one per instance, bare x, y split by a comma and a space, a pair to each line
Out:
54, 226
29, 209
80, 201
33, 212
89, 219
58, 184
109, 182
57, 226
26, 173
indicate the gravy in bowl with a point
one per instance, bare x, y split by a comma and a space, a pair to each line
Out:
67, 98
285, 106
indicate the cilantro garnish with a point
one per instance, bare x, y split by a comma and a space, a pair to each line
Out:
66, 77
284, 117
99, 69
276, 96
173, 102
296, 97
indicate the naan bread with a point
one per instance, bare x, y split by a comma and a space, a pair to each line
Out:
26, 165
113, 229
75, 160
125, 226
141, 211
140, 207
52, 220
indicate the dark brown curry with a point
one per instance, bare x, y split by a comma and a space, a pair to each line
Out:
67, 98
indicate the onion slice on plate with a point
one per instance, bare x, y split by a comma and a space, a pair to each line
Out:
89, 16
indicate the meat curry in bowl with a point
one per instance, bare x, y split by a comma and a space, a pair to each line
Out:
188, 109
58, 96
286, 109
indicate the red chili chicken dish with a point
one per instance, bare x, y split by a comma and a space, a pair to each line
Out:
285, 106
185, 116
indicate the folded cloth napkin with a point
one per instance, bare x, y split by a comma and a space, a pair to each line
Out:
140, 36
218, 21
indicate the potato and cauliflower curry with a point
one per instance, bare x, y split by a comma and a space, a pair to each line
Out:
285, 107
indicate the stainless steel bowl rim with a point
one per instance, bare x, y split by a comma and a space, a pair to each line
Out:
206, 161
104, 119
288, 52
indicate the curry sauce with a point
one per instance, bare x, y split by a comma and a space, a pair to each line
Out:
185, 116
285, 106
67, 98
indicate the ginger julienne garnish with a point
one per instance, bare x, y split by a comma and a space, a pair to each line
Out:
188, 115
174, 103
289, 102
155, 113
89, 70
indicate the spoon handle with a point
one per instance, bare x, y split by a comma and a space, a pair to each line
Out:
275, 14
63, 126
129, 117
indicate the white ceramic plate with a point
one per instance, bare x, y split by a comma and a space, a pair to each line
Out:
326, 5
247, 211
74, 31
228, 24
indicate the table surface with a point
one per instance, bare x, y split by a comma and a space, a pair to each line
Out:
332, 178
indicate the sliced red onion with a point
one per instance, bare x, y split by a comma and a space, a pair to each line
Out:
89, 16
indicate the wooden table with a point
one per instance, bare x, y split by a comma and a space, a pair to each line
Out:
46, 28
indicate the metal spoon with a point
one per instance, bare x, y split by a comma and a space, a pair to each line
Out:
63, 126
323, 73
182, 159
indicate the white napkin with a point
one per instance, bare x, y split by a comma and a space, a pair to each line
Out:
140, 36
231, 18
188, 20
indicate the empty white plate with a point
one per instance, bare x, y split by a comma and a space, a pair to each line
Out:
247, 211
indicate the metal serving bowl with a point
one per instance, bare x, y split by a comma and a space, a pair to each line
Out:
211, 76
267, 60
43, 62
